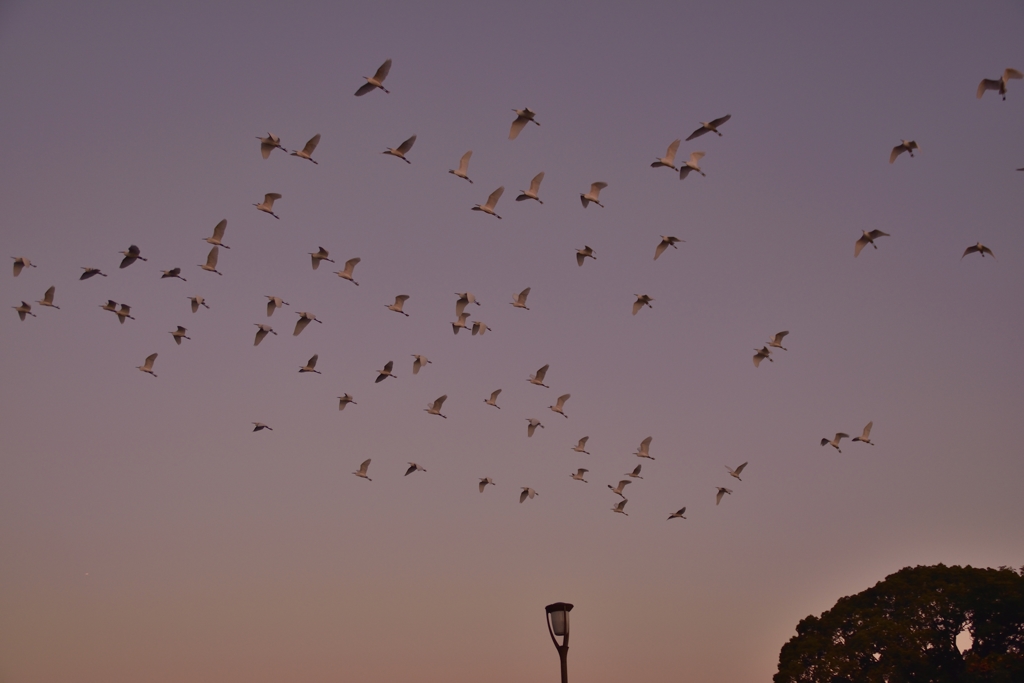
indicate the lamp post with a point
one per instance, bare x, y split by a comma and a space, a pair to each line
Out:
558, 625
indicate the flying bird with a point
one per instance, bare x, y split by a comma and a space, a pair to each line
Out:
534, 189
834, 443
493, 400
179, 334
484, 481
123, 313
401, 150
721, 492
492, 201
89, 272
560, 405
592, 196
776, 340
305, 318
377, 80
460, 324
111, 306
318, 256
413, 467
267, 206
523, 116
904, 146
346, 274
131, 254
211, 261
538, 377
197, 301
435, 407
865, 436
465, 298
24, 309
397, 306
618, 489
709, 127
678, 514
980, 248
173, 272
262, 332
47, 299
273, 303
418, 362
386, 372
1000, 84
641, 301
366, 464
579, 475
583, 254
618, 507
269, 144
310, 366
307, 151
866, 239
736, 472
669, 160
527, 493
259, 426
345, 400
479, 328
691, 165
761, 354
148, 365
463, 170
532, 427
581, 446
666, 242
21, 262
645, 447
519, 300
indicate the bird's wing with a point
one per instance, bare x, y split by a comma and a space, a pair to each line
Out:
494, 395
670, 155
867, 430
351, 264
780, 335
740, 468
757, 359
440, 401
636, 470
718, 498
412, 468
646, 443
464, 162
482, 485
407, 145
697, 133
271, 197
896, 151
311, 145
840, 436
383, 71
970, 250
218, 230
580, 258
583, 442
265, 149
48, 297
875, 234
684, 171
365, 466
523, 294
517, 126
1011, 73
540, 373
260, 334
660, 249
987, 84
390, 364
363, 89
300, 325
623, 483
492, 200
401, 299
150, 359
595, 188
859, 245
523, 495
717, 122
562, 399
621, 504
211, 258
986, 250
637, 305
535, 183
696, 156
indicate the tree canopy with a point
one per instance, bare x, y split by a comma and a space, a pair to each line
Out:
905, 628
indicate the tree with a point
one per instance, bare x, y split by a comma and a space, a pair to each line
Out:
904, 630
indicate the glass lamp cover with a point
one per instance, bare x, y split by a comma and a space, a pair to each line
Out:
559, 622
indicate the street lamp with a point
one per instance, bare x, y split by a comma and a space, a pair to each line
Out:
558, 625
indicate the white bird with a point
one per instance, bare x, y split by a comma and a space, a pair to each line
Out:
980, 248
532, 426
305, 318
89, 272
310, 366
709, 127
418, 362
307, 151
592, 196
641, 301
460, 324
618, 489
435, 407
721, 492
211, 261
834, 443
397, 306
465, 298
534, 189
179, 334
865, 436
21, 262
386, 372
377, 80
401, 150
218, 235
273, 303
463, 170
579, 475
111, 306
645, 448
761, 354
527, 493
904, 146
492, 201
776, 340
669, 160
618, 507
47, 299
581, 446
148, 365
197, 301
346, 274
362, 468
320, 255
267, 206
413, 467
666, 242
523, 116
24, 309
173, 272
519, 300
538, 377
583, 254
258, 426
678, 514
560, 405
131, 254
635, 474
691, 165
269, 144
1000, 84
345, 400
484, 481
866, 239
262, 332
479, 328
736, 472
123, 313
493, 400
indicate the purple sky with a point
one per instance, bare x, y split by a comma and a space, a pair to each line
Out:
148, 534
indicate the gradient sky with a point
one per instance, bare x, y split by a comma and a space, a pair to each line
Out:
147, 534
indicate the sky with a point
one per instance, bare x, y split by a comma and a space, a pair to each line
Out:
147, 533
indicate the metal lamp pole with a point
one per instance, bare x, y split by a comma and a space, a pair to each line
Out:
558, 625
